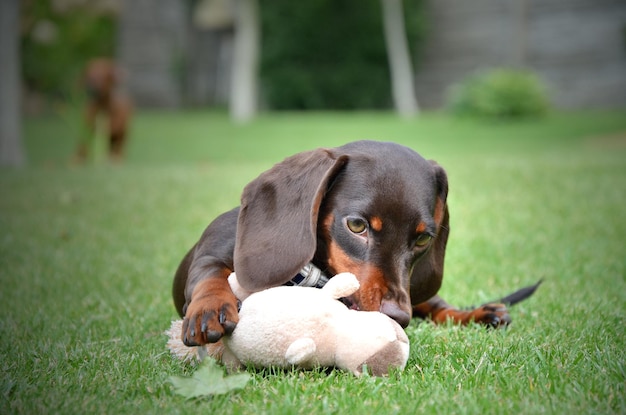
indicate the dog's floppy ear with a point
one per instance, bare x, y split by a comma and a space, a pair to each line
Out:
428, 271
276, 230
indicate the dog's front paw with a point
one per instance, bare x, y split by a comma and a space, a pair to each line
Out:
211, 314
491, 315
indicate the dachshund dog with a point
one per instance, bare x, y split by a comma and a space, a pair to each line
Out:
101, 81
377, 210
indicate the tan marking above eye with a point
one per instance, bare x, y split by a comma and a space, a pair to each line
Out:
421, 227
377, 223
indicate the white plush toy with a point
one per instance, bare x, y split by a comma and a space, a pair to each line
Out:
306, 327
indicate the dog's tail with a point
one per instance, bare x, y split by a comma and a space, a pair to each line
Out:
519, 295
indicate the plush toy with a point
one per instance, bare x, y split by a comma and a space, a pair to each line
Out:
305, 327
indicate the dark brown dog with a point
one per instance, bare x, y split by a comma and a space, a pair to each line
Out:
375, 209
101, 81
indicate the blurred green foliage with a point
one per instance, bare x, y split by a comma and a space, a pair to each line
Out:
329, 54
320, 54
56, 44
499, 93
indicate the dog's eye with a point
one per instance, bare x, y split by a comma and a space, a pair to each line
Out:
423, 240
356, 225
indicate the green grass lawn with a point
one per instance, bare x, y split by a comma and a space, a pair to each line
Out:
87, 255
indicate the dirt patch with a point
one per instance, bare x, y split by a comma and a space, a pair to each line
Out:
608, 142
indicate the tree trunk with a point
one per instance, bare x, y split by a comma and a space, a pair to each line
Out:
11, 153
403, 89
244, 89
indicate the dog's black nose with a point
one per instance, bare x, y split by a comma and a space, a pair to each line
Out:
394, 311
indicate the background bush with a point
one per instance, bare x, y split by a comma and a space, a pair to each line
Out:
499, 93
329, 54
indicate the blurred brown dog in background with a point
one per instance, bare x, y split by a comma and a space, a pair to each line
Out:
101, 80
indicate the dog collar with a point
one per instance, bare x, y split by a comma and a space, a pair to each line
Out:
309, 276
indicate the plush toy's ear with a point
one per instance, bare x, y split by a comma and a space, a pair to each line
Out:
240, 292
277, 225
342, 285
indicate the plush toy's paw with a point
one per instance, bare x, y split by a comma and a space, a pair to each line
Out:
300, 351
211, 314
